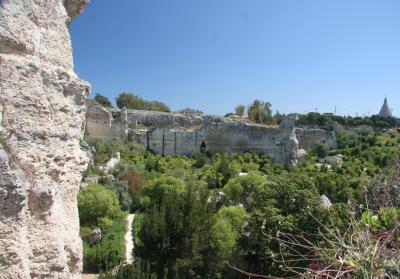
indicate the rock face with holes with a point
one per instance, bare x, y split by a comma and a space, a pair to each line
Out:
42, 112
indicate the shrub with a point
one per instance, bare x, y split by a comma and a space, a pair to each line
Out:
132, 101
245, 189
103, 100
121, 189
110, 251
135, 181
363, 250
96, 205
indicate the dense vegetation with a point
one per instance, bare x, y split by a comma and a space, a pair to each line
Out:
259, 112
330, 121
99, 210
132, 101
190, 111
209, 215
103, 100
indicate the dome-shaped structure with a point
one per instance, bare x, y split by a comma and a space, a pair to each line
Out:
385, 110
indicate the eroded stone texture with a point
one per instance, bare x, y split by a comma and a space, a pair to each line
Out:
42, 105
173, 133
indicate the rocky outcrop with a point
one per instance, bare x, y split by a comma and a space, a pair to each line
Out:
42, 105
309, 138
174, 133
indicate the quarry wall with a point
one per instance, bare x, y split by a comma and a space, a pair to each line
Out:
308, 138
42, 105
172, 133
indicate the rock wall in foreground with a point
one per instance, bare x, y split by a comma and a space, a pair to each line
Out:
42, 113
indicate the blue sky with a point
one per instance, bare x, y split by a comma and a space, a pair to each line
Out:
214, 54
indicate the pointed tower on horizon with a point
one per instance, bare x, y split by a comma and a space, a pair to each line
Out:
385, 110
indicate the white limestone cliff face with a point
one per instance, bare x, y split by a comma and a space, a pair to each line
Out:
174, 133
42, 105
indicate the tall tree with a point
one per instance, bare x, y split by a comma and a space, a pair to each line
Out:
240, 110
260, 112
180, 235
130, 101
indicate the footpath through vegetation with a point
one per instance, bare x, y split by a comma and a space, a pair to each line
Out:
215, 215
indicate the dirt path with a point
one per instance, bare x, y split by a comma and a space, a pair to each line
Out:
129, 240
128, 244
90, 276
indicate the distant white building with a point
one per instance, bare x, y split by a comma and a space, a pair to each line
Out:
385, 110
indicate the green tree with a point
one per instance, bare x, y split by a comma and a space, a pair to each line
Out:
132, 101
245, 189
157, 106
99, 208
235, 216
103, 100
285, 204
220, 170
121, 189
240, 110
97, 205
180, 234
260, 112
161, 188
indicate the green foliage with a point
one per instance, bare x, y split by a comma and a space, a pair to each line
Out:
221, 168
175, 231
240, 109
110, 251
97, 205
245, 189
223, 236
103, 100
327, 121
235, 216
189, 111
370, 220
338, 187
121, 189
104, 150
362, 250
284, 205
321, 150
389, 217
132, 101
159, 189
260, 112
127, 272
196, 213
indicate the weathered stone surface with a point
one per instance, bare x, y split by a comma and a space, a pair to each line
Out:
332, 160
326, 202
42, 105
110, 164
308, 138
173, 133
